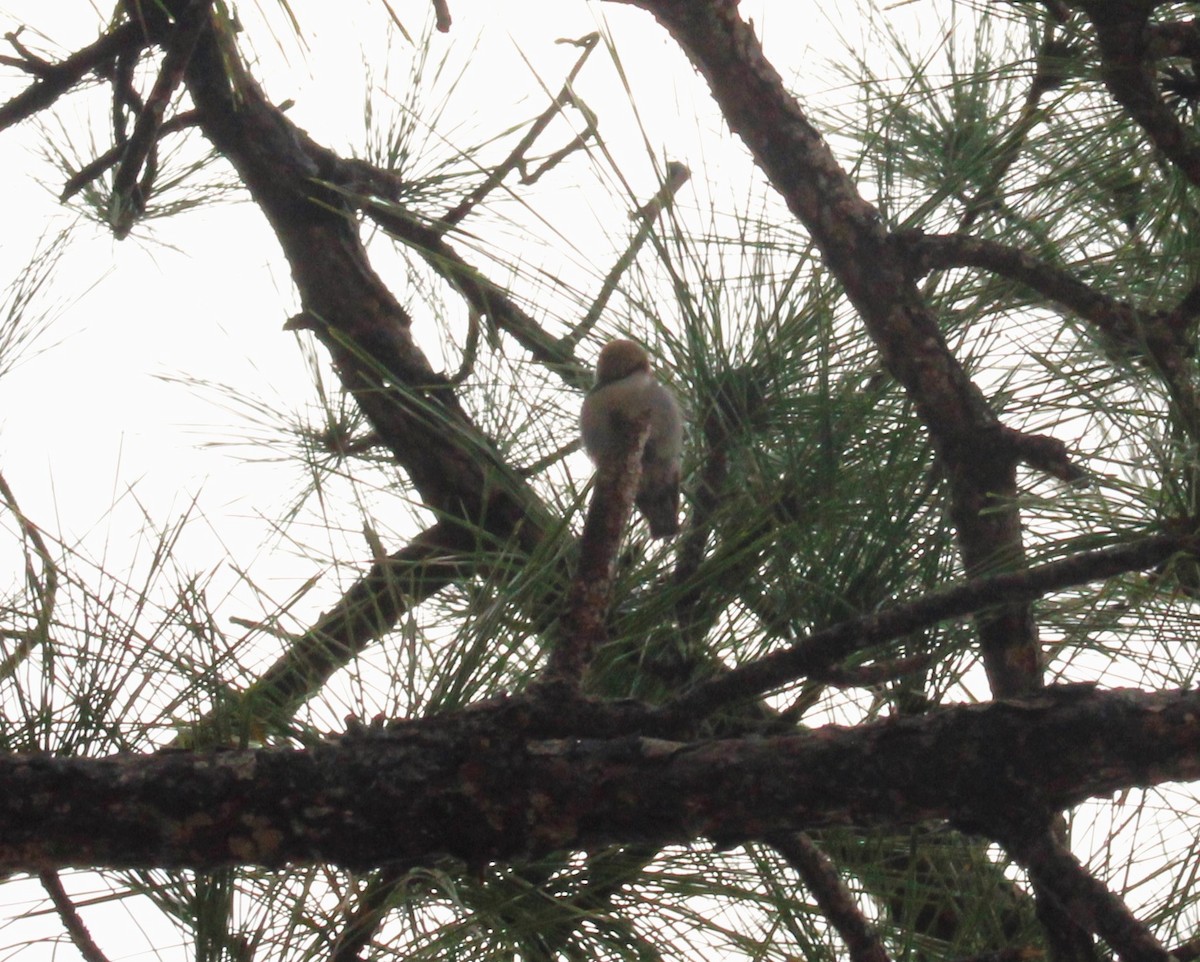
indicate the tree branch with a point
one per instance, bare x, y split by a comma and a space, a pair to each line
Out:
583, 625
850, 235
1128, 72
813, 654
1085, 899
821, 878
128, 199
370, 609
56, 79
472, 786
517, 156
1126, 327
81, 938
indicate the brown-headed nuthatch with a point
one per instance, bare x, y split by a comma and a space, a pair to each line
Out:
626, 389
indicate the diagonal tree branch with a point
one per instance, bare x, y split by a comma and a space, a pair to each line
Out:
81, 938
486, 297
454, 468
971, 445
1128, 71
371, 608
55, 80
1126, 327
1161, 335
517, 156
1085, 898
821, 877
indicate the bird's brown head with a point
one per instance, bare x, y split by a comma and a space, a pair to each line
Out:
619, 359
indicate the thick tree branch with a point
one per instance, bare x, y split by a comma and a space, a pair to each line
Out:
455, 469
472, 786
848, 230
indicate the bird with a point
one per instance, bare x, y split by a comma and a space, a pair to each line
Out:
625, 390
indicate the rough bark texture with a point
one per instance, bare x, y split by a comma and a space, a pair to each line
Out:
480, 787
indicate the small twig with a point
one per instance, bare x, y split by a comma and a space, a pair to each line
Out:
441, 10
28, 61
837, 904
705, 499
1043, 452
583, 625
375, 192
537, 467
1025, 953
677, 175
125, 97
516, 157
81, 938
646, 215
1161, 336
876, 673
470, 349
578, 142
88, 173
736, 402
368, 610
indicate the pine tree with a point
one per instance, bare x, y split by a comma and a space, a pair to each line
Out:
913, 680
